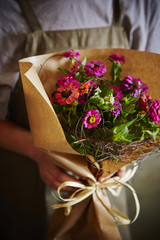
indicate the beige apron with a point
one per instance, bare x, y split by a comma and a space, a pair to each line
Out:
25, 190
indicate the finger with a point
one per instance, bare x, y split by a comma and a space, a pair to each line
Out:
121, 172
63, 176
54, 182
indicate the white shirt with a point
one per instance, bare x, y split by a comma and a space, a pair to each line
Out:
140, 18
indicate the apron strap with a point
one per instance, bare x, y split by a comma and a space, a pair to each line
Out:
116, 13
29, 15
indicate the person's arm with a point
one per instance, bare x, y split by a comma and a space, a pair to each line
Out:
19, 140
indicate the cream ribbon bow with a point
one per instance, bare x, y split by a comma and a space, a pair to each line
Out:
114, 185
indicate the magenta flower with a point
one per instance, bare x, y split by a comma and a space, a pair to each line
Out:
154, 111
75, 67
94, 68
117, 58
91, 119
66, 79
117, 93
117, 109
71, 54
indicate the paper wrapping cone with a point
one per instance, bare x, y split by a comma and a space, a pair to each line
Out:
39, 75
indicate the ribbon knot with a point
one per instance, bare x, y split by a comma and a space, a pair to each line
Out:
114, 185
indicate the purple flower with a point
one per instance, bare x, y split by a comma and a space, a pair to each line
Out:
71, 54
136, 86
127, 83
117, 58
117, 93
66, 79
154, 111
144, 88
94, 68
117, 109
91, 119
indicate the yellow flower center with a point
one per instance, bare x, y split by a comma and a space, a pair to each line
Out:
158, 111
82, 87
92, 119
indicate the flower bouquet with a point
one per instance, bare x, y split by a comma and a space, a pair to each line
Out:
90, 109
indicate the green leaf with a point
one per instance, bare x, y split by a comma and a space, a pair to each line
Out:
128, 110
97, 91
96, 100
106, 92
121, 132
84, 61
64, 71
153, 133
107, 106
123, 126
116, 71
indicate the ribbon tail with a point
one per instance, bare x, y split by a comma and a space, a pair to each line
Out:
136, 201
72, 201
120, 218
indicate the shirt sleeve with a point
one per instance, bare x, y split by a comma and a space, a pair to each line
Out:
4, 100
13, 30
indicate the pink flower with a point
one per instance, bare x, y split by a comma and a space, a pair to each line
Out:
117, 58
117, 93
66, 79
66, 94
91, 119
154, 111
71, 54
94, 68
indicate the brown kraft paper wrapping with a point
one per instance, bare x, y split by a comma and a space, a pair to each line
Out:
88, 219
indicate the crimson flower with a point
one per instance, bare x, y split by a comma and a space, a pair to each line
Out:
66, 94
145, 102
